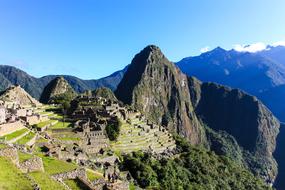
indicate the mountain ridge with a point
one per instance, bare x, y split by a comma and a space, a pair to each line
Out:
34, 86
256, 73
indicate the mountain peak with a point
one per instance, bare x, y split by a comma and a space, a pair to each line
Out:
157, 88
152, 49
150, 53
57, 87
219, 50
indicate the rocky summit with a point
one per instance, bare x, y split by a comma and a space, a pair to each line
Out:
225, 120
154, 85
56, 88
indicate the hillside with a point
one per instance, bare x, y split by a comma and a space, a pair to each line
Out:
256, 73
104, 92
57, 88
153, 85
232, 111
273, 98
184, 105
34, 86
280, 158
15, 94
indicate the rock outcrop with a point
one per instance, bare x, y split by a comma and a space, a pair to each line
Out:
153, 85
16, 94
58, 87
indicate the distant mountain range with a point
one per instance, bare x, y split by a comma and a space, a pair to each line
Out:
261, 74
34, 86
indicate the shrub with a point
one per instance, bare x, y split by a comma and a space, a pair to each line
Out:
113, 130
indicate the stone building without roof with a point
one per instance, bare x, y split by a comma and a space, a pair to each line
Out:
2, 114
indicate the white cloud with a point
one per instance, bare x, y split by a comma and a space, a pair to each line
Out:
250, 48
205, 49
279, 43
256, 47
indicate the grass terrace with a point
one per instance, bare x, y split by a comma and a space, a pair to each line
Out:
11, 178
93, 175
61, 125
23, 156
26, 138
15, 134
46, 182
56, 116
44, 123
2, 145
69, 138
54, 166
75, 184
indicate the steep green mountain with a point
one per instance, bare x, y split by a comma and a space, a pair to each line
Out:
5, 83
105, 93
153, 85
14, 76
279, 155
57, 88
34, 86
236, 122
244, 118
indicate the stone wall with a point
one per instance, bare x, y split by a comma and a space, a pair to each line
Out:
31, 165
63, 130
2, 115
32, 141
77, 173
11, 153
8, 128
32, 120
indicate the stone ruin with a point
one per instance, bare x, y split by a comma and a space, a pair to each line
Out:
35, 163
14, 117
93, 136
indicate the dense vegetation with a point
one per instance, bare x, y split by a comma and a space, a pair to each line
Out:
194, 168
104, 93
113, 130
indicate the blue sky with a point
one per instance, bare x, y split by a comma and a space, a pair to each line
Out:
92, 39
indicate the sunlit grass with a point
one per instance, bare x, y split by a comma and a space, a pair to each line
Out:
11, 178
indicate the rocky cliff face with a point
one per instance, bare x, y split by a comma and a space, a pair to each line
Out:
280, 158
18, 95
156, 87
56, 88
242, 116
239, 125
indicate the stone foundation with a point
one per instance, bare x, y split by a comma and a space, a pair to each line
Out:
78, 173
8, 128
31, 165
11, 153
